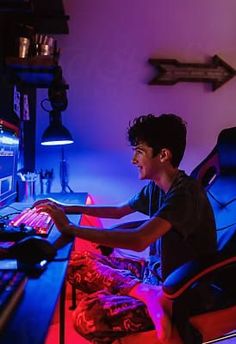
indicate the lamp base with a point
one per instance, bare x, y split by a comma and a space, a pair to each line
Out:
64, 187
64, 174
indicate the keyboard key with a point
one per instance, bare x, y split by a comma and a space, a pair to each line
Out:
40, 222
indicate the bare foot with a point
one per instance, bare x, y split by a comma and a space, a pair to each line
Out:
158, 306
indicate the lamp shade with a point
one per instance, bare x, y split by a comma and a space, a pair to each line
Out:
56, 133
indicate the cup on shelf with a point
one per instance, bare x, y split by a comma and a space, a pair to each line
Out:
24, 43
45, 50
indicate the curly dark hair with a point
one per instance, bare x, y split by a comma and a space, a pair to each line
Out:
164, 131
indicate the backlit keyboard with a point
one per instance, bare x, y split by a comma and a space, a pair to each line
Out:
40, 222
12, 284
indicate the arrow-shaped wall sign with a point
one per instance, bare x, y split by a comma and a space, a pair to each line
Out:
170, 71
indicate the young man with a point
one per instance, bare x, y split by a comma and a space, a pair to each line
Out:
120, 294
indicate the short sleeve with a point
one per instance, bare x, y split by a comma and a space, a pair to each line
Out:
140, 202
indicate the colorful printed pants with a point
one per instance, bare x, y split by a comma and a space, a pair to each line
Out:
104, 311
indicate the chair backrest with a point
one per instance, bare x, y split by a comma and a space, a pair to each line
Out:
217, 173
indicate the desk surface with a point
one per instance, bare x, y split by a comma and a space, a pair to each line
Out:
32, 317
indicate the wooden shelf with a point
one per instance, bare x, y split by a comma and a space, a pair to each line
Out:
37, 71
32, 62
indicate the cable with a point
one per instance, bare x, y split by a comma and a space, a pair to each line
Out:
42, 104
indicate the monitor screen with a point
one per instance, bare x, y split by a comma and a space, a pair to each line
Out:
9, 148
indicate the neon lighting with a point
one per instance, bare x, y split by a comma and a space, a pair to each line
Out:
89, 200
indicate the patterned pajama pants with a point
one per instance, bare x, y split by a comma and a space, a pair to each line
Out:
104, 311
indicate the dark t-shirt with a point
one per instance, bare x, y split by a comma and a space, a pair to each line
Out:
186, 207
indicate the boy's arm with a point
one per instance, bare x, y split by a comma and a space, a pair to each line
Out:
136, 239
114, 212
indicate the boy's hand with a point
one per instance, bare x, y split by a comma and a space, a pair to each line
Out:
47, 201
56, 212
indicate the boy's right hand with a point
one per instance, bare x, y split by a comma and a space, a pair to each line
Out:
48, 200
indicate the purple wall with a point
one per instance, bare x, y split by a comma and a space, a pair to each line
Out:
104, 60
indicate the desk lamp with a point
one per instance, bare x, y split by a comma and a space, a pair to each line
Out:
58, 135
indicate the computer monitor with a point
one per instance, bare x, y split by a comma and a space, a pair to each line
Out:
9, 150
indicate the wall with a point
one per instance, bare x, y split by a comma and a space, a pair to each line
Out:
104, 61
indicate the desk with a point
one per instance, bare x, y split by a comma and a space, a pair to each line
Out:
30, 321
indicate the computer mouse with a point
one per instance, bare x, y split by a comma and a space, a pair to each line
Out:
32, 250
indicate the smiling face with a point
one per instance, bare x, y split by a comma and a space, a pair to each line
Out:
164, 132
147, 164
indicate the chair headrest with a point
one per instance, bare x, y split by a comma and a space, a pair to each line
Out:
226, 147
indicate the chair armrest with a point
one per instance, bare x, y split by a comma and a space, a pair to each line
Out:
185, 276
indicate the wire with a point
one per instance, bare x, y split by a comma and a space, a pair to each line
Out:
43, 106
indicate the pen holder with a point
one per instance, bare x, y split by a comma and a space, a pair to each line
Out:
26, 186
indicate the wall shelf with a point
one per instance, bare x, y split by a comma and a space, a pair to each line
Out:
37, 71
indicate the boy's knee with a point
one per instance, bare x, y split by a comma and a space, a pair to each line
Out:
87, 317
83, 323
80, 269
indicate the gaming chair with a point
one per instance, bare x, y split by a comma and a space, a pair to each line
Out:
204, 292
